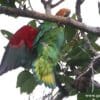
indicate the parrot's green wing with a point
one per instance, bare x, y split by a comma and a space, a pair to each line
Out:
48, 54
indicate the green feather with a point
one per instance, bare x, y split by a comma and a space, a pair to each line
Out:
54, 37
49, 48
44, 71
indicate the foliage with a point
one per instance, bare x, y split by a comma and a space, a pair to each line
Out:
50, 40
6, 34
12, 3
9, 3
26, 82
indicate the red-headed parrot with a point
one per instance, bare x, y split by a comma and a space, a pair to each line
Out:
19, 51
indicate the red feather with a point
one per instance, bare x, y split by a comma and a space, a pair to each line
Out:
26, 34
63, 12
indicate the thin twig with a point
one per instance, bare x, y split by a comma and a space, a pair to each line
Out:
29, 2
99, 7
57, 3
88, 71
58, 19
96, 84
49, 95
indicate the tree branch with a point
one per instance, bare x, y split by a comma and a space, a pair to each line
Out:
58, 19
78, 9
87, 74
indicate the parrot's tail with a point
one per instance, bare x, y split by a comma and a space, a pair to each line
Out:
5, 67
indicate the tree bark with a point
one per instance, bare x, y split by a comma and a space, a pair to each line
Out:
58, 19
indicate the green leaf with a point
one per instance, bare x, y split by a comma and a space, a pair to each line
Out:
9, 3
70, 32
26, 82
78, 56
92, 37
96, 46
22, 77
6, 34
32, 23
28, 86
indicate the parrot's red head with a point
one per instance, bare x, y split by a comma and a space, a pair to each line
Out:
26, 35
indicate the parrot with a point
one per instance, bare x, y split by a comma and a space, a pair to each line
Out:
48, 50
19, 51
